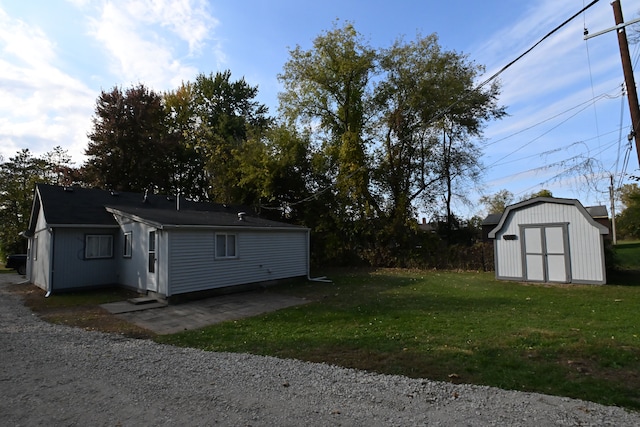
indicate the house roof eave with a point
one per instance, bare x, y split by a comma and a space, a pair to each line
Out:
82, 226
134, 217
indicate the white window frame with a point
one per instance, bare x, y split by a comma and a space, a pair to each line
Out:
127, 244
230, 250
104, 241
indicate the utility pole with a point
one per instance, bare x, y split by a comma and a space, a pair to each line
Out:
632, 95
627, 69
613, 211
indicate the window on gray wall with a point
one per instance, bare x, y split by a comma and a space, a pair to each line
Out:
98, 246
226, 245
126, 250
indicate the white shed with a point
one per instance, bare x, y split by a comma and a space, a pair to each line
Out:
548, 239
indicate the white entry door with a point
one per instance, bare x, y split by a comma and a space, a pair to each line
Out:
152, 281
546, 254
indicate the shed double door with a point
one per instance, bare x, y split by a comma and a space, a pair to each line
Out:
546, 254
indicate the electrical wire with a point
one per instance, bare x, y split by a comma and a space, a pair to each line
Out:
615, 168
601, 96
441, 114
595, 110
555, 150
539, 136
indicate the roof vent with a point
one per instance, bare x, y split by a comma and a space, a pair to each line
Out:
114, 193
241, 216
68, 189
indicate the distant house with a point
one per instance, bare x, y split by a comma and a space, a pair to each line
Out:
427, 227
488, 224
549, 239
85, 238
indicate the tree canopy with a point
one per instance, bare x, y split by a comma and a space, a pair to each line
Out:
18, 177
364, 138
392, 127
128, 149
628, 221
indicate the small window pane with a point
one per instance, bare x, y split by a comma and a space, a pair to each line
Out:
231, 245
152, 241
221, 245
126, 251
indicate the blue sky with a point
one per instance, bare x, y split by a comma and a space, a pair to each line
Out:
563, 99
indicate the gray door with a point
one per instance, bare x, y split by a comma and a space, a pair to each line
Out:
546, 254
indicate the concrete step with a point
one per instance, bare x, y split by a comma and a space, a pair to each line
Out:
143, 300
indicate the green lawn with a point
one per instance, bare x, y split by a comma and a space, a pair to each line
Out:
576, 341
628, 254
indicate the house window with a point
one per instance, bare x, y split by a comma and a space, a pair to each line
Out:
225, 245
98, 246
126, 250
35, 248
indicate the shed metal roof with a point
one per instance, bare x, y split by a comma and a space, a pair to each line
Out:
536, 200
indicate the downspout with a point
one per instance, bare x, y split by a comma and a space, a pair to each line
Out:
322, 279
51, 262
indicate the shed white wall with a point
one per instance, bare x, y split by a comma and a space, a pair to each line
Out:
585, 242
262, 256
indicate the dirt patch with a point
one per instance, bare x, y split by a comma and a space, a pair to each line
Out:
88, 316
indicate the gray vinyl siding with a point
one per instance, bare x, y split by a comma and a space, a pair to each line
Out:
133, 270
261, 256
71, 269
585, 243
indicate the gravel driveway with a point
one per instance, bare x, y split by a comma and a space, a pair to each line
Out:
55, 375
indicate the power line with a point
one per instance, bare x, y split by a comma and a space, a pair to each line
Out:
555, 150
539, 136
503, 69
595, 110
601, 96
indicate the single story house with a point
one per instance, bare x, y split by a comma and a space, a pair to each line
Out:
165, 246
547, 239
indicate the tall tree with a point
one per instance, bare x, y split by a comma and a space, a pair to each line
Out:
227, 115
429, 114
60, 169
278, 167
18, 177
128, 148
327, 89
628, 221
188, 164
498, 202
391, 128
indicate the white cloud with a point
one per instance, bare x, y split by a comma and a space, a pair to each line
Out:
143, 37
44, 101
40, 106
189, 20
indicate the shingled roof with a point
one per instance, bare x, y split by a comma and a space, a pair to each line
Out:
69, 206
